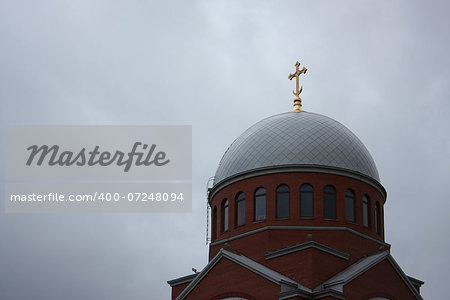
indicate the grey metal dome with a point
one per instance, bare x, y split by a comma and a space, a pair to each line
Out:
296, 139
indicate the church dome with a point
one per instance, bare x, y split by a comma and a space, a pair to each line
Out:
297, 140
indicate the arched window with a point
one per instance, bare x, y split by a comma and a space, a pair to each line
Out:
240, 209
224, 215
366, 211
282, 201
349, 206
377, 217
260, 204
329, 202
214, 224
306, 201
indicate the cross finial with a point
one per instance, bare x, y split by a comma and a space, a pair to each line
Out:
297, 99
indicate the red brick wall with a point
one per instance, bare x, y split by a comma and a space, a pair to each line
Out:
381, 278
177, 289
229, 279
294, 180
313, 266
256, 245
310, 267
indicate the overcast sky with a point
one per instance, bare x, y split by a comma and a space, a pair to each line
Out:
379, 67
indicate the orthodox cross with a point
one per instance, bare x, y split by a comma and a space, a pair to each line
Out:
297, 99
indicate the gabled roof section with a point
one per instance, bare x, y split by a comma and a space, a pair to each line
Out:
338, 281
277, 278
415, 281
304, 246
181, 280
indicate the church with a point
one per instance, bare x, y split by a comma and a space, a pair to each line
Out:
297, 212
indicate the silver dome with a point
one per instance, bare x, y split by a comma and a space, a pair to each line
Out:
296, 139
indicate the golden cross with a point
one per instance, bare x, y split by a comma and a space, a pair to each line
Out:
297, 99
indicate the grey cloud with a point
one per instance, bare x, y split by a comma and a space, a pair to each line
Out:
380, 68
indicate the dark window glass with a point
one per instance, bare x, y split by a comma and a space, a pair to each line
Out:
283, 201
377, 217
240, 209
260, 204
224, 215
329, 202
306, 200
349, 206
366, 211
214, 225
